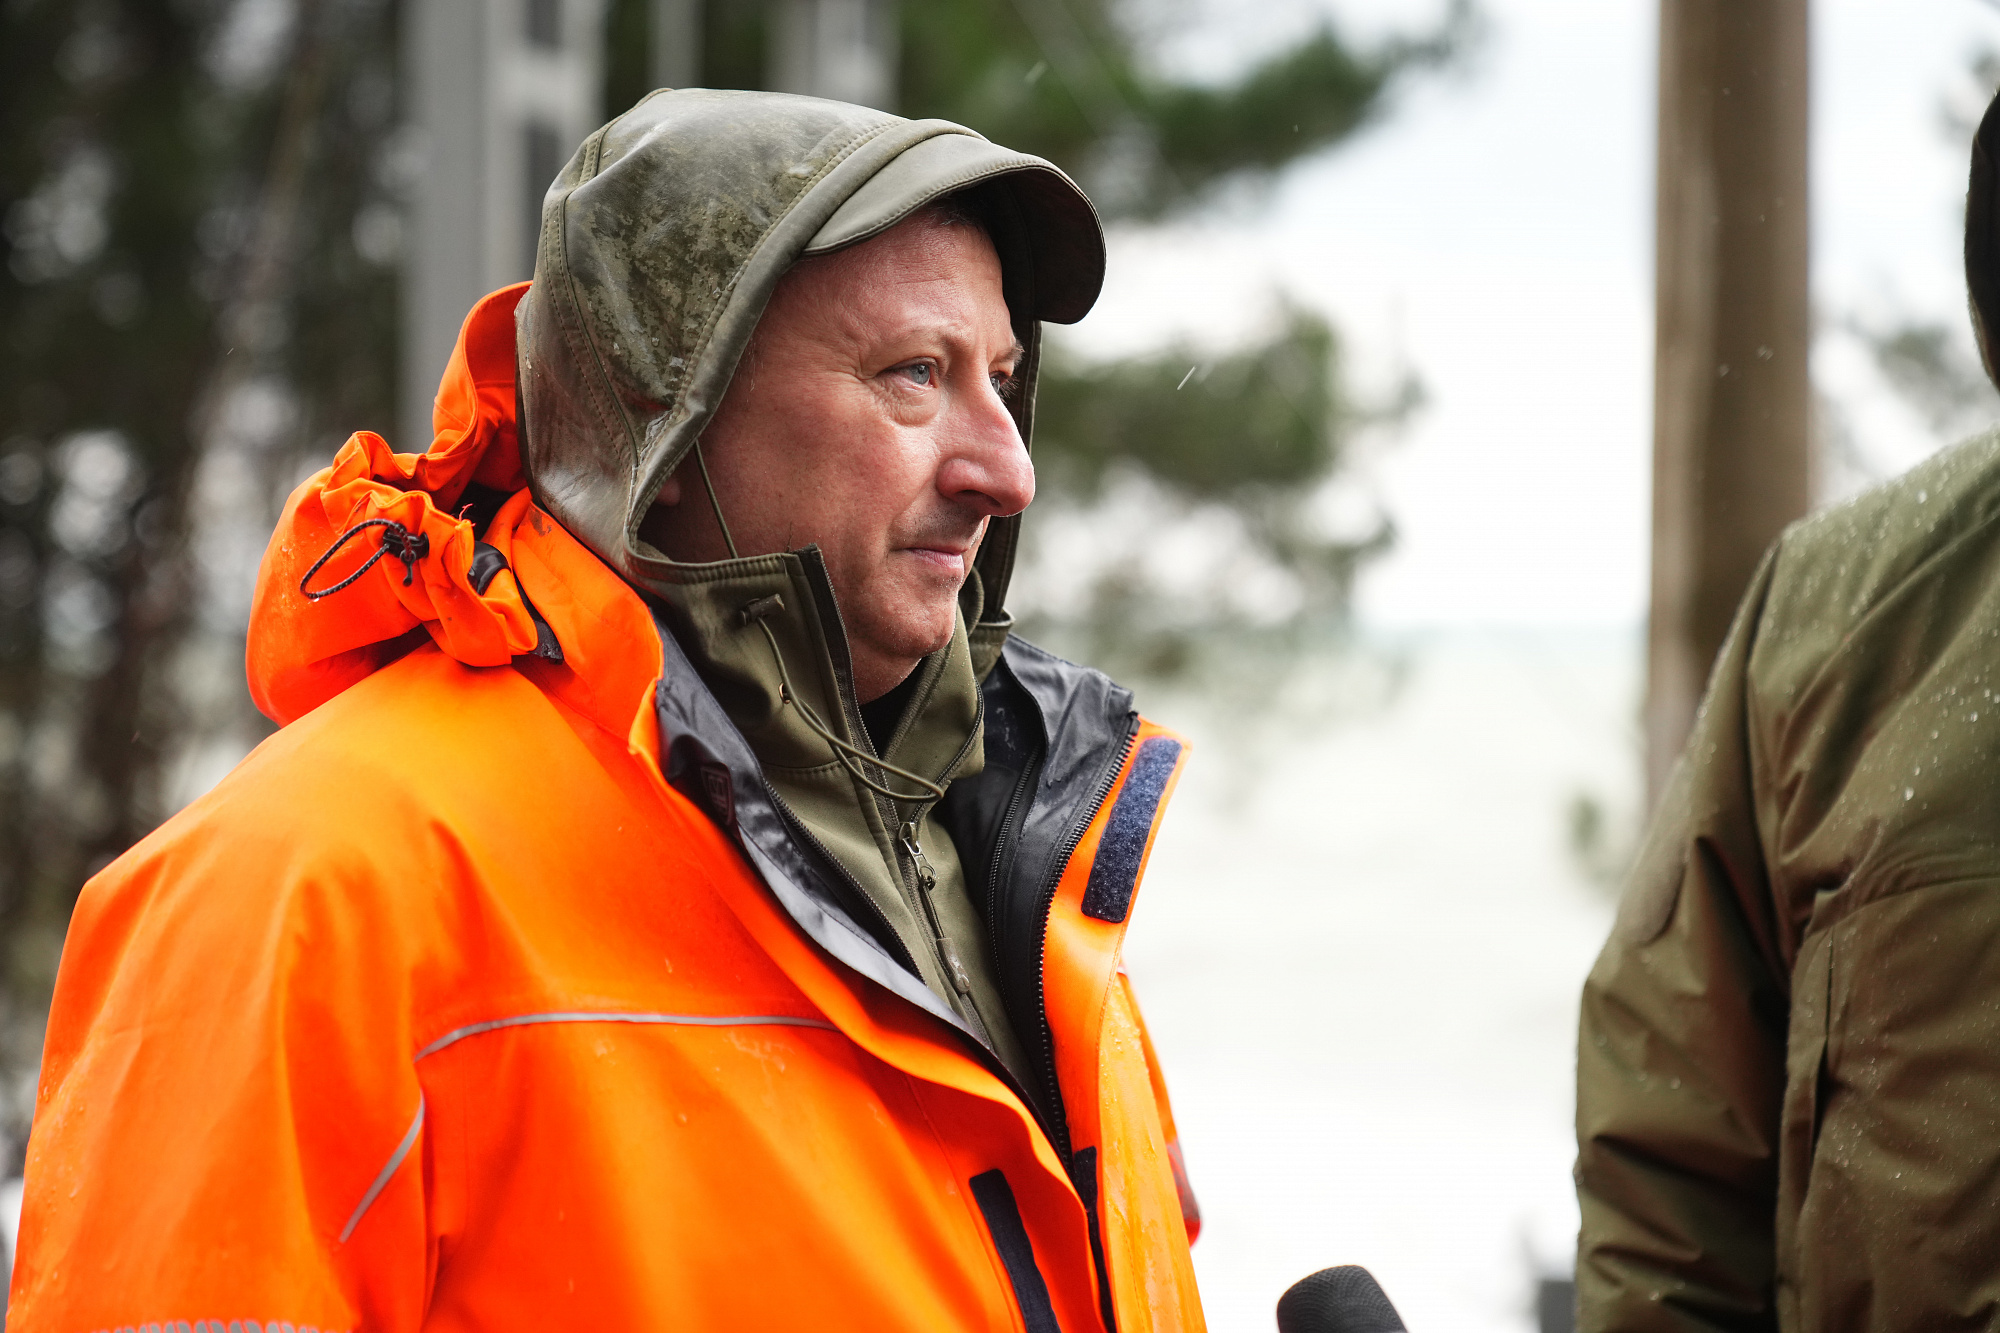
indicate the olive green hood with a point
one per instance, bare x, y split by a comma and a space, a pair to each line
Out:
662, 241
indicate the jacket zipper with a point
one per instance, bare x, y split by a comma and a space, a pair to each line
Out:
1023, 785
922, 878
1047, 1052
954, 966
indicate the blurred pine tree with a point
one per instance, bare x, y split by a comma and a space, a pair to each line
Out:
1228, 455
1065, 79
198, 286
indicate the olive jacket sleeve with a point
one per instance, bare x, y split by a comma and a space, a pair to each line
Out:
1681, 1056
1788, 1075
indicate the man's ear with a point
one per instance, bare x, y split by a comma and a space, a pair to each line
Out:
658, 528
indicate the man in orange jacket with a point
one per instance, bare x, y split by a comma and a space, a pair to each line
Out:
674, 898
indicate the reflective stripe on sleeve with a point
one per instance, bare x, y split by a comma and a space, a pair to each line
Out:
388, 1170
459, 1034
672, 1020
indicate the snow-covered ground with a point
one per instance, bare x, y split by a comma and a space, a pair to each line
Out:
1362, 973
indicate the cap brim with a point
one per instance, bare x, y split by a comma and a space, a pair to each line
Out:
1065, 243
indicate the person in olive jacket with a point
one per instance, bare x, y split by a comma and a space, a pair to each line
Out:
1788, 1073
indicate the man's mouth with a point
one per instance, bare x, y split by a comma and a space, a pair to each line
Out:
946, 559
949, 545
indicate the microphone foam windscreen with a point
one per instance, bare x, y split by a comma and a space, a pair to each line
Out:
1347, 1299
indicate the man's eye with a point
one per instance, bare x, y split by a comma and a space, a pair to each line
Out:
922, 373
1005, 385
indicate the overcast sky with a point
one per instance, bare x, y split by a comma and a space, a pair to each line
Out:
1495, 235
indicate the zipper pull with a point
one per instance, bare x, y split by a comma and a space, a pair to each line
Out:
961, 980
926, 877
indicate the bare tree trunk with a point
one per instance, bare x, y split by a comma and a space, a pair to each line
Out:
1731, 388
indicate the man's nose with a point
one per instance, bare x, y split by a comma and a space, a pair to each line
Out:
985, 464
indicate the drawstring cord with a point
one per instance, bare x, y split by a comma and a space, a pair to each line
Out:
702, 462
851, 756
396, 540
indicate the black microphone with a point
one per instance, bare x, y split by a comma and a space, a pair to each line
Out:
1347, 1299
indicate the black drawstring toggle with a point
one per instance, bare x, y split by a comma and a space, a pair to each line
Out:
397, 540
763, 606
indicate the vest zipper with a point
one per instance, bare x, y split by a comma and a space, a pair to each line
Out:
922, 878
954, 966
948, 956
1086, 1187
983, 1042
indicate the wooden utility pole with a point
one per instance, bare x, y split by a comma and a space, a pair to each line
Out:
1731, 393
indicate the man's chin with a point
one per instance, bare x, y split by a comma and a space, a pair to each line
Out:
905, 637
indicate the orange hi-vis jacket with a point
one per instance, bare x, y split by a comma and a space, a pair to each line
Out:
488, 994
